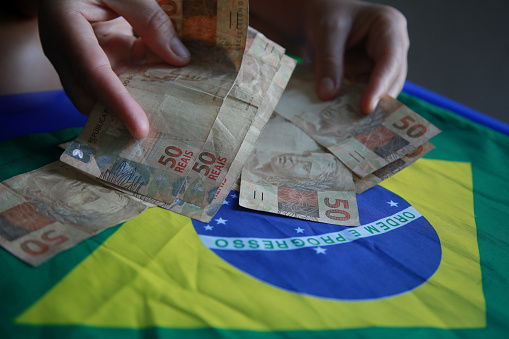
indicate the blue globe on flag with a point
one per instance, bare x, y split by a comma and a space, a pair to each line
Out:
329, 261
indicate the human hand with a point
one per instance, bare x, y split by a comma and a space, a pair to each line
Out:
89, 49
357, 40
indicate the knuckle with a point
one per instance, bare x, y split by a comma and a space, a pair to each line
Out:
392, 20
90, 75
99, 68
160, 22
393, 16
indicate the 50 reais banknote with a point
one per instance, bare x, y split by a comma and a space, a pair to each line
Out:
288, 173
53, 208
199, 114
364, 143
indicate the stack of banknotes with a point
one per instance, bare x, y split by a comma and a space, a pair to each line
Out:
204, 121
313, 157
310, 161
204, 118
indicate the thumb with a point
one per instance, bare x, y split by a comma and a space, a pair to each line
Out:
154, 26
330, 44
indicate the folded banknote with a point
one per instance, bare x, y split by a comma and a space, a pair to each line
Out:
200, 116
302, 167
364, 143
53, 208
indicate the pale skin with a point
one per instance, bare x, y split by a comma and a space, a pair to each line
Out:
344, 38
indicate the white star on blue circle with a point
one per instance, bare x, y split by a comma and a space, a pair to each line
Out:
221, 221
320, 250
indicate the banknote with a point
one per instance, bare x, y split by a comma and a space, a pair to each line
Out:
271, 97
265, 110
212, 22
364, 143
240, 107
53, 208
362, 184
192, 143
215, 31
288, 173
182, 105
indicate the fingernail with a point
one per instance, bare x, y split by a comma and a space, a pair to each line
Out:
140, 131
326, 88
374, 105
179, 49
370, 107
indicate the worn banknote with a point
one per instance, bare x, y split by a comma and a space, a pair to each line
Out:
240, 115
202, 23
362, 184
182, 104
236, 117
290, 174
266, 108
199, 116
364, 143
53, 208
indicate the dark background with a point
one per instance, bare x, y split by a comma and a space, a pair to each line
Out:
460, 49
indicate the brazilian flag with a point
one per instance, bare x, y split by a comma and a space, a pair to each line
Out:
429, 260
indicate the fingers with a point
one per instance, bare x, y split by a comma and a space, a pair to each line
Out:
357, 65
154, 26
84, 67
387, 45
387, 77
70, 43
330, 39
79, 96
122, 48
377, 42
